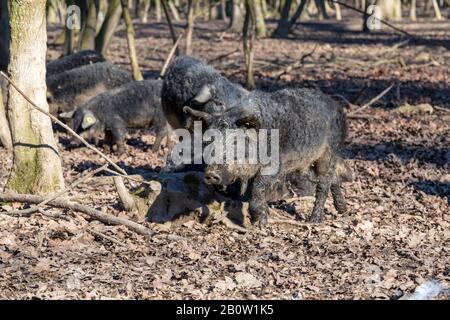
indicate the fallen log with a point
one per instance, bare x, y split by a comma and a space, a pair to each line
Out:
63, 204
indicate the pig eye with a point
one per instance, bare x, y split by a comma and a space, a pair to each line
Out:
250, 122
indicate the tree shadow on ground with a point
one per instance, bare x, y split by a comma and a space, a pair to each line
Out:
436, 188
404, 152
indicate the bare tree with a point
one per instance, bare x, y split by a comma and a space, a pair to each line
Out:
190, 25
237, 18
36, 161
259, 16
285, 24
88, 32
131, 43
248, 39
112, 19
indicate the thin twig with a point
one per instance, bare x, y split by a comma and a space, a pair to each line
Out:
381, 20
373, 100
169, 57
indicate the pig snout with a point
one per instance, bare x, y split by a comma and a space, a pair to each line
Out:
212, 177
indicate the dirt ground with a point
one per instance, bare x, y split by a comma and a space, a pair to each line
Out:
395, 236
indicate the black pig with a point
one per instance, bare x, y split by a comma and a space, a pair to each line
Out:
190, 82
134, 105
312, 129
69, 89
73, 61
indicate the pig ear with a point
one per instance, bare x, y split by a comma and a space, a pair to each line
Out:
199, 114
88, 120
203, 96
249, 122
67, 115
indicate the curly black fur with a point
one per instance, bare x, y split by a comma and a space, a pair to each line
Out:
73, 61
133, 105
184, 79
69, 89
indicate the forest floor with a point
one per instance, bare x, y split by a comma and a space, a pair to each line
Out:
395, 236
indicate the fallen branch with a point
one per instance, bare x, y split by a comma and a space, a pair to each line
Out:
293, 66
93, 213
36, 208
372, 101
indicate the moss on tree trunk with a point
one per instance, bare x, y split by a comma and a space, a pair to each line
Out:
36, 163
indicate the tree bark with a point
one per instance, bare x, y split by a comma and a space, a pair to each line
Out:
131, 42
109, 26
158, 10
174, 11
190, 25
282, 29
248, 38
36, 162
261, 30
87, 38
5, 134
412, 12
237, 18
437, 11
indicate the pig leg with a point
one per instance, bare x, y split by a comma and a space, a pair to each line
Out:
338, 198
108, 140
157, 145
118, 132
258, 207
324, 168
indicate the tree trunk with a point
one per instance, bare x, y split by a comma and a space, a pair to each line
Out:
437, 11
131, 43
190, 25
158, 10
145, 7
286, 27
282, 29
322, 9
412, 12
36, 163
174, 11
237, 18
171, 28
259, 16
248, 38
87, 37
109, 26
5, 134
337, 7
69, 31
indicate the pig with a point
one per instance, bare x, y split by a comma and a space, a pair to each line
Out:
312, 131
190, 82
69, 89
73, 61
133, 105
